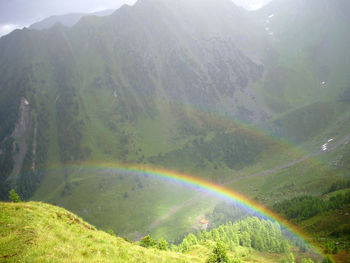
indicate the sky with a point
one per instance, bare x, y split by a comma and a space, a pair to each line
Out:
22, 13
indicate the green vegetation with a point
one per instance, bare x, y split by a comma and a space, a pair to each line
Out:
302, 208
38, 232
14, 197
219, 254
101, 92
338, 185
251, 232
147, 241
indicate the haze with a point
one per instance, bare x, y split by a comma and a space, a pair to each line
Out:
22, 13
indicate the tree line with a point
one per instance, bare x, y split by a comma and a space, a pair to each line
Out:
304, 207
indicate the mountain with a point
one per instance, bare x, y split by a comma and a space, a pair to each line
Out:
309, 62
68, 20
198, 87
127, 88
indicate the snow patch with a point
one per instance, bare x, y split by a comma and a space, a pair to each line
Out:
325, 147
271, 16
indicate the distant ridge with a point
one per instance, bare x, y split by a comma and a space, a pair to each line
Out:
68, 20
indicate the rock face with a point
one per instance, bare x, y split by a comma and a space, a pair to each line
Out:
20, 136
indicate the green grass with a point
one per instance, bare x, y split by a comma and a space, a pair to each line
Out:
37, 232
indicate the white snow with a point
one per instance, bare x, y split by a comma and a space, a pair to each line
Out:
325, 147
271, 16
26, 102
115, 94
330, 140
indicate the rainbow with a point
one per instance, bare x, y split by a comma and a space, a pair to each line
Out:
209, 187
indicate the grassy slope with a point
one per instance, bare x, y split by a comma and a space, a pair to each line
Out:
38, 232
331, 227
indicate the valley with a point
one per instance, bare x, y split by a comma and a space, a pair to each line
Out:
118, 117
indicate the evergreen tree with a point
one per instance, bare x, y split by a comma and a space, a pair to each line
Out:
284, 246
215, 235
192, 239
14, 197
147, 241
200, 236
184, 245
245, 240
219, 254
162, 244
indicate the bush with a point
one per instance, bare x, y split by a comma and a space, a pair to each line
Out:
219, 254
163, 244
147, 241
14, 197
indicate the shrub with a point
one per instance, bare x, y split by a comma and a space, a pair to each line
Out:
147, 241
14, 197
163, 244
219, 254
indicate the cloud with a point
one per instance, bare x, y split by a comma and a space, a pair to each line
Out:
31, 11
251, 4
256, 6
8, 28
19, 13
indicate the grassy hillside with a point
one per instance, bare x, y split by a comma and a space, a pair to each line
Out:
38, 232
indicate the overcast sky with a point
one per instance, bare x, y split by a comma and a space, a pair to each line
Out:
22, 13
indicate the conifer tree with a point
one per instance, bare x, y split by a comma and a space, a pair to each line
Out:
162, 244
14, 197
219, 254
147, 241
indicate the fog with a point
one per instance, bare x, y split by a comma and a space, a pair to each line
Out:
22, 13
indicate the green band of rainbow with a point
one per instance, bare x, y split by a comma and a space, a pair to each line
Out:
209, 187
